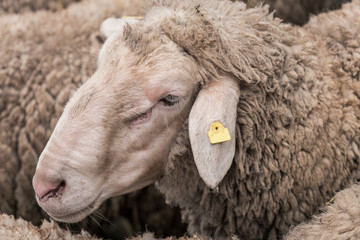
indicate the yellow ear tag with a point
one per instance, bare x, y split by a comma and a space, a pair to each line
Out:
218, 133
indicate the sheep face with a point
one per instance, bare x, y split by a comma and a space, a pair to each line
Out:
116, 131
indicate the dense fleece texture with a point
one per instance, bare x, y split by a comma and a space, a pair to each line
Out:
150, 236
20, 6
339, 221
19, 229
298, 11
45, 56
298, 118
293, 11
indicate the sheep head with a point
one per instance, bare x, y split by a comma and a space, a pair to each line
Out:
117, 130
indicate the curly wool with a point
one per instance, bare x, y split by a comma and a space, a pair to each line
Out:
293, 11
339, 221
45, 56
150, 236
19, 229
298, 11
298, 128
21, 6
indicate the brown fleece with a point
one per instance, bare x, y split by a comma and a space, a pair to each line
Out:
340, 220
297, 11
45, 56
21, 6
292, 11
298, 122
19, 229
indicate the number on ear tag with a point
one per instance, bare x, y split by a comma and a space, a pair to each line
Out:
218, 133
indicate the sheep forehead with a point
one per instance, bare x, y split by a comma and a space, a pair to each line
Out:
133, 63
141, 51
113, 54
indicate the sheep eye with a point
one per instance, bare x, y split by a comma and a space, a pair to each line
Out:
170, 100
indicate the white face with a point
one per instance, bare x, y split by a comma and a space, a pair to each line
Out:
115, 133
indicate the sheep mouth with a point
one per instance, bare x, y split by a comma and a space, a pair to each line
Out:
78, 215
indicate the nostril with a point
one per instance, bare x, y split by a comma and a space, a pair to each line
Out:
44, 192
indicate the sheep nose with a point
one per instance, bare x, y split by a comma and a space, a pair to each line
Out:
45, 189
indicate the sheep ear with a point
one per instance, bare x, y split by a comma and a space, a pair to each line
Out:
114, 25
213, 118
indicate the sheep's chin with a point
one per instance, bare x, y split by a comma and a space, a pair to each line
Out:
78, 214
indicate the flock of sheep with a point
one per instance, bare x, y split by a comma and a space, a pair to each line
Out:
291, 96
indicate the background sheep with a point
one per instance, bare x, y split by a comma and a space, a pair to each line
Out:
19, 6
293, 11
36, 81
340, 220
290, 96
150, 236
45, 56
298, 11
19, 229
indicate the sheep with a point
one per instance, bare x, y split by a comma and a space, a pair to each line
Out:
11, 228
20, 6
40, 68
16, 229
39, 71
340, 219
298, 11
12, 119
45, 56
295, 11
285, 100
150, 236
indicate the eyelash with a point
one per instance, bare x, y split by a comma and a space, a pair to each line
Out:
170, 100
